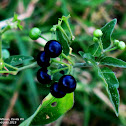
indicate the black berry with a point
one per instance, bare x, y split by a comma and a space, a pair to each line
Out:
43, 59
43, 77
44, 69
53, 48
54, 89
67, 83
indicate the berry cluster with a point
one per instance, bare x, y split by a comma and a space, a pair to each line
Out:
52, 49
67, 83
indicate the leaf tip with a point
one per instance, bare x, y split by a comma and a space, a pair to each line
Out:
115, 20
117, 113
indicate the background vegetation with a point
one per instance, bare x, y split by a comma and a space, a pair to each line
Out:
20, 95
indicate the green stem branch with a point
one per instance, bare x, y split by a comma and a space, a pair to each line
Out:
9, 72
28, 66
43, 38
60, 62
81, 65
114, 48
15, 68
64, 33
100, 42
5, 29
68, 26
55, 71
66, 57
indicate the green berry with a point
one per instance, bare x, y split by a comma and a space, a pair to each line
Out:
97, 33
5, 54
1, 64
121, 45
34, 33
116, 42
95, 39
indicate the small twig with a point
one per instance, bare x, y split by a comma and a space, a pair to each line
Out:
23, 16
6, 70
10, 109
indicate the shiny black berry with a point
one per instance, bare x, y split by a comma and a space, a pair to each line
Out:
53, 48
43, 59
67, 83
43, 77
54, 89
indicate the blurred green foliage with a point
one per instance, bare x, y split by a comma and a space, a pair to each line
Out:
90, 106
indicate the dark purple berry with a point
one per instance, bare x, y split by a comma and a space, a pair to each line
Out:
53, 48
43, 59
54, 89
43, 77
67, 83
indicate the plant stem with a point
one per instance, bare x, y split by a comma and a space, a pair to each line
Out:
10, 72
1, 32
55, 71
64, 33
81, 65
100, 42
18, 69
28, 66
110, 49
43, 38
60, 62
53, 35
66, 57
11, 66
67, 24
5, 29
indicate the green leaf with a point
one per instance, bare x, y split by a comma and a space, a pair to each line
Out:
109, 78
5, 45
110, 61
112, 86
89, 59
17, 59
19, 26
47, 113
15, 17
107, 32
95, 50
63, 42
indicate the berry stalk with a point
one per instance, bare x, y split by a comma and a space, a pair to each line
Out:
64, 33
55, 71
110, 49
64, 56
43, 38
